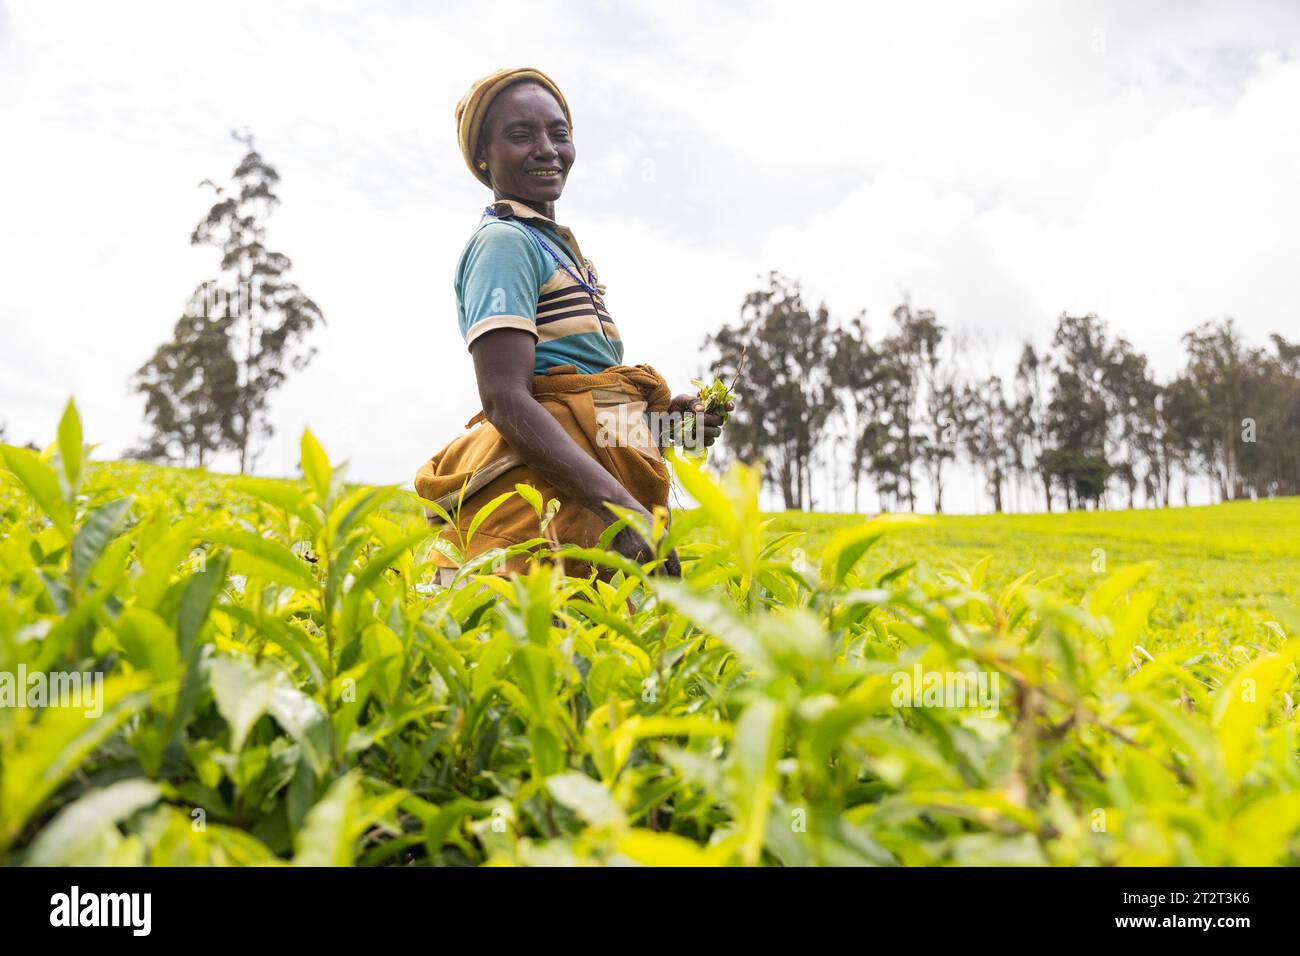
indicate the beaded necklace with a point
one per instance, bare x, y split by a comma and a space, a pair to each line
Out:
589, 286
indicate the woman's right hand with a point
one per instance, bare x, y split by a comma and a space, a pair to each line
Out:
632, 546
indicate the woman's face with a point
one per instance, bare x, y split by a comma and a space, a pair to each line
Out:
526, 144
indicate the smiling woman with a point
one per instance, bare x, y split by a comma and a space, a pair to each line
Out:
561, 411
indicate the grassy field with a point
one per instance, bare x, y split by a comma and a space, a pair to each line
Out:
204, 670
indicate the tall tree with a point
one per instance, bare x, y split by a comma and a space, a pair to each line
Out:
1079, 411
1180, 433
270, 315
1219, 367
786, 383
1032, 434
942, 416
943, 411
988, 428
1131, 394
911, 349
209, 387
856, 371
1272, 461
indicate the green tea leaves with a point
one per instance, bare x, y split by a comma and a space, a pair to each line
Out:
70, 447
242, 690
98, 528
331, 682
42, 484
316, 466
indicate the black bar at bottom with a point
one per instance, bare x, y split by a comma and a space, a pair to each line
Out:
373, 905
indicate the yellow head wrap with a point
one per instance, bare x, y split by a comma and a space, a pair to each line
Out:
473, 106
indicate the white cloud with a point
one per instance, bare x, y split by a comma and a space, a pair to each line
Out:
1186, 221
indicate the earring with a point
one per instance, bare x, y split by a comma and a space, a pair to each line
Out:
482, 166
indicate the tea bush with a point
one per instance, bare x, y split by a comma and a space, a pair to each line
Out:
284, 681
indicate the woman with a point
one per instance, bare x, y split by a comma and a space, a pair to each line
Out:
560, 410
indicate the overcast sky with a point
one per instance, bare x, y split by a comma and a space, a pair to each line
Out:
998, 162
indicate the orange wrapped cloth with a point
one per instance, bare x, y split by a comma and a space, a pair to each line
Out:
604, 413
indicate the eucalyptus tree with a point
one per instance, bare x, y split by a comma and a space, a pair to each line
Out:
785, 384
271, 314
210, 387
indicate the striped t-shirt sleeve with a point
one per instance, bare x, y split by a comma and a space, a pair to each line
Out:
498, 282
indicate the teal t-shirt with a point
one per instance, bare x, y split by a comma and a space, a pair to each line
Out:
506, 280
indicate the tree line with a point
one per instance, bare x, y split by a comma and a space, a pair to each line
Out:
1082, 423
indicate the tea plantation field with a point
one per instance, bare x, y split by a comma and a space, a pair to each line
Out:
207, 670
1223, 571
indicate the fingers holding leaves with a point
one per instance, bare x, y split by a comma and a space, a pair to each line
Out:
710, 426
